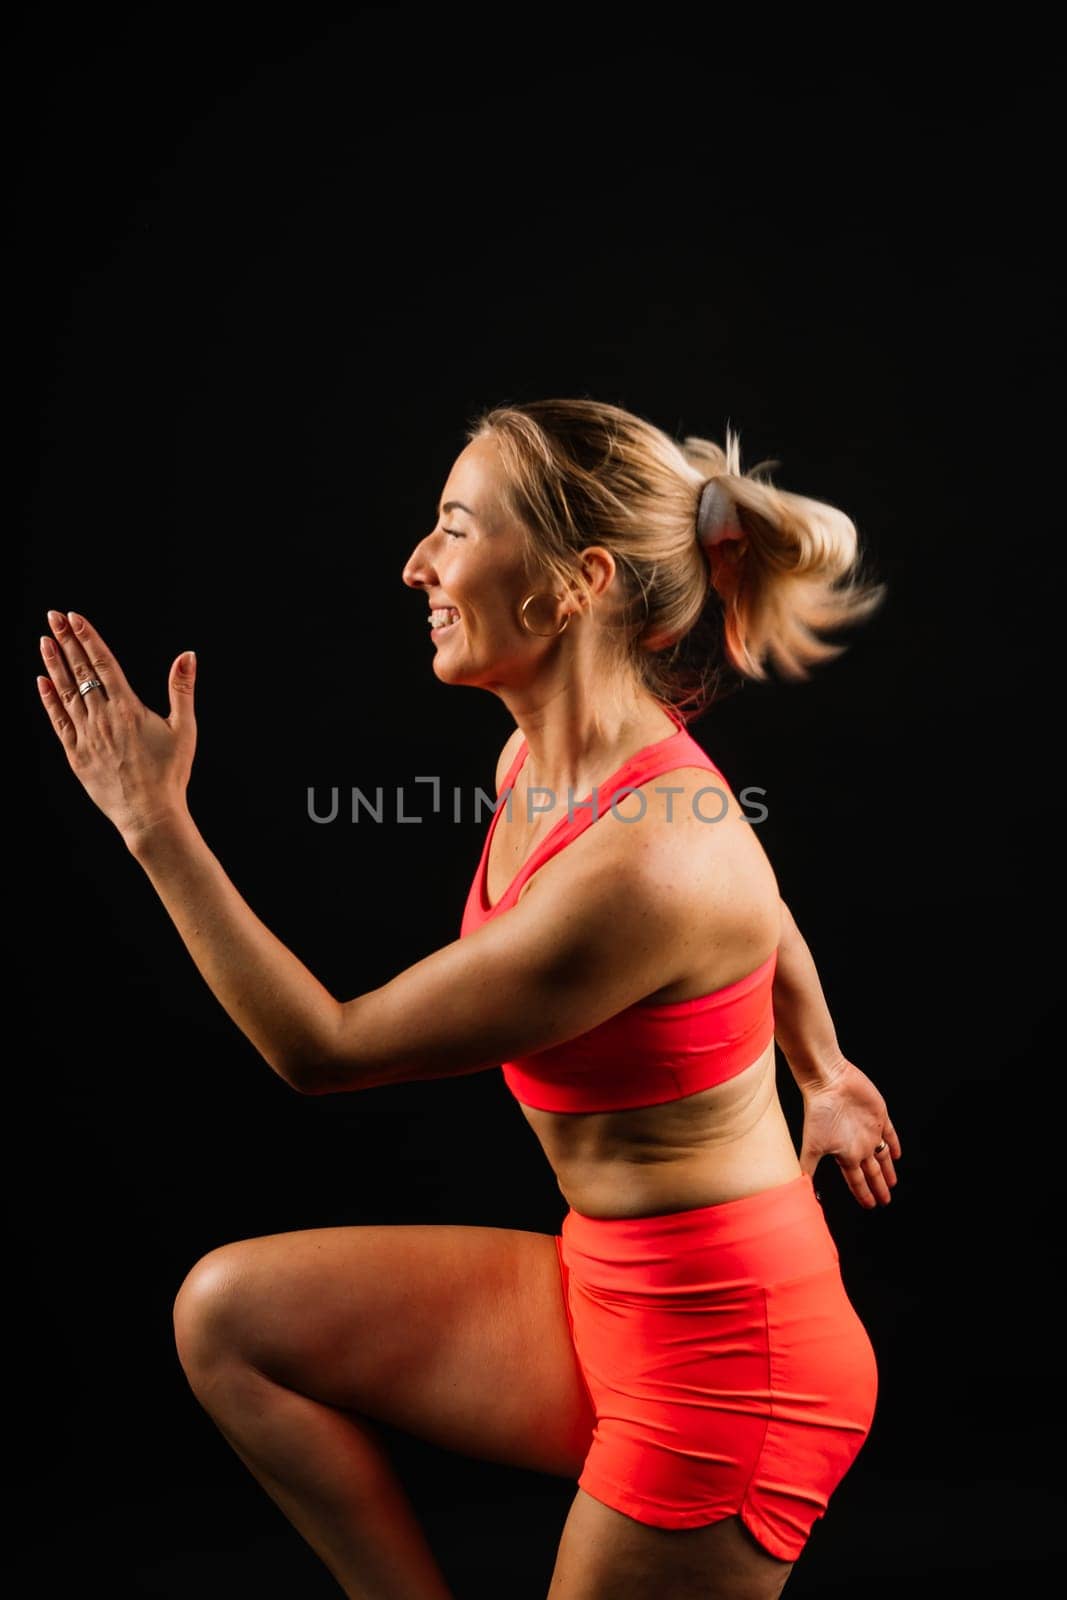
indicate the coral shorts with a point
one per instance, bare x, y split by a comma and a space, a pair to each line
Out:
729, 1372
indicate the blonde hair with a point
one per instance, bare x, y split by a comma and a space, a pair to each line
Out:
580, 472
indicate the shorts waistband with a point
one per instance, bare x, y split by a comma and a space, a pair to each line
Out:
774, 1234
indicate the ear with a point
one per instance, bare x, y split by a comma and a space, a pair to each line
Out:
598, 567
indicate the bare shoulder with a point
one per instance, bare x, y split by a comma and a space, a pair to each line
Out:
705, 834
507, 756
683, 855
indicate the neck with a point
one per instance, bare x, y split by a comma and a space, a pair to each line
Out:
576, 737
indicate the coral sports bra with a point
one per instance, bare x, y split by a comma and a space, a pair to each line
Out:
648, 1053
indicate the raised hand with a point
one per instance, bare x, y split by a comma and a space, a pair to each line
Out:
133, 763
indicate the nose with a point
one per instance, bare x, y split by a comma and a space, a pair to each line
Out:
417, 571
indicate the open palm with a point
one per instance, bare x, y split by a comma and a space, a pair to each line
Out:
133, 763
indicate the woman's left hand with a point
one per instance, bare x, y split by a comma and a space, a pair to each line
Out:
133, 763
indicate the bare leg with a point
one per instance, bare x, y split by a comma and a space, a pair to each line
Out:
331, 1476
298, 1345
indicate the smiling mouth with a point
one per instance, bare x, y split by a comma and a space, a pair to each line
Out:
443, 621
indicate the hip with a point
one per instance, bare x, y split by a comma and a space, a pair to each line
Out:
748, 1293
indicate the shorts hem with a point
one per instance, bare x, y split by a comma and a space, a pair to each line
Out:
659, 1516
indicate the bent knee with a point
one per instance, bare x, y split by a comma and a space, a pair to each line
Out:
209, 1310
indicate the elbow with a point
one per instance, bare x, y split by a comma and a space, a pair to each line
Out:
310, 1077
304, 1073
324, 1074
300, 1083
294, 1076
314, 1068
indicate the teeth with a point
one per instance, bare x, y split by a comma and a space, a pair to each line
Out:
438, 619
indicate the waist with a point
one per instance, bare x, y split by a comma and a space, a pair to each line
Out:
711, 1149
771, 1235
618, 1193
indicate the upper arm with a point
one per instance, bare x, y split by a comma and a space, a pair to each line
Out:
579, 946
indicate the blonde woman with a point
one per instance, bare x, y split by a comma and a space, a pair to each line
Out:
685, 1348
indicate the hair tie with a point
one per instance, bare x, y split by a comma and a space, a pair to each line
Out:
716, 516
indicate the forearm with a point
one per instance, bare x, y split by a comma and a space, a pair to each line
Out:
272, 997
803, 1026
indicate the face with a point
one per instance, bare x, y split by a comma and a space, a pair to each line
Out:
472, 561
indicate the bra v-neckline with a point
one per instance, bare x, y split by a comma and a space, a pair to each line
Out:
582, 808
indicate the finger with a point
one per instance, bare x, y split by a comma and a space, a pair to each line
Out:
62, 724
889, 1172
888, 1146
856, 1179
182, 684
55, 663
77, 661
876, 1182
101, 660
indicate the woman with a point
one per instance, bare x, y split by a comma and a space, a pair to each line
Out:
685, 1347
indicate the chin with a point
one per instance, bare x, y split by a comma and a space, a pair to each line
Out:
446, 672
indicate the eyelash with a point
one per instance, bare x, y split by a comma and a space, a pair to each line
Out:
454, 532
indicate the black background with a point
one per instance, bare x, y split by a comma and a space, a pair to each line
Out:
262, 274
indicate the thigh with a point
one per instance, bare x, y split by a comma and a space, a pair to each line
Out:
458, 1335
604, 1552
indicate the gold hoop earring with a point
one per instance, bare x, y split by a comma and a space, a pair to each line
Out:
526, 625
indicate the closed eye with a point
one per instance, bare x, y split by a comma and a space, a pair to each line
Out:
454, 532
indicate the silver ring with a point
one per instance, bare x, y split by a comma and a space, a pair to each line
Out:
880, 1147
90, 683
